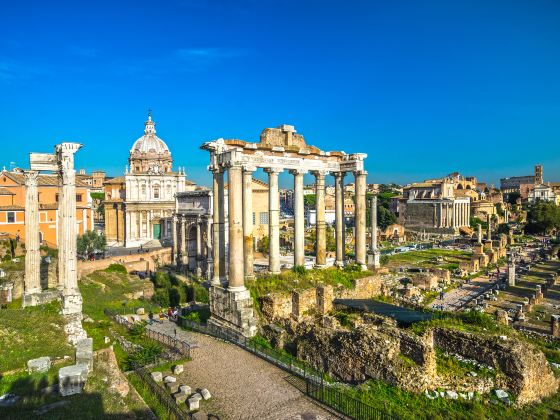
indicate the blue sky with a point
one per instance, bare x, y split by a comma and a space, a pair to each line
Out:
424, 88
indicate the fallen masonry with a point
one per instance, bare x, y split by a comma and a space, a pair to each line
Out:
41, 364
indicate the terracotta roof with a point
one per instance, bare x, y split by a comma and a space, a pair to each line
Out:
117, 180
5, 191
12, 207
43, 180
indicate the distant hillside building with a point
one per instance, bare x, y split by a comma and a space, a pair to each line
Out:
521, 184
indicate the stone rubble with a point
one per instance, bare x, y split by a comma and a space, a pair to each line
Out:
41, 364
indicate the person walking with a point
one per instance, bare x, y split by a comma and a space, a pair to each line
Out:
150, 318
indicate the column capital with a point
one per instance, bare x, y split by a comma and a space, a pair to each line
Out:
360, 172
340, 174
319, 174
249, 168
273, 170
298, 171
31, 178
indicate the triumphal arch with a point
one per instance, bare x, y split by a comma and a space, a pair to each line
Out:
280, 149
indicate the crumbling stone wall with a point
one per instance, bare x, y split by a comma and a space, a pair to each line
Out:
364, 288
303, 301
527, 372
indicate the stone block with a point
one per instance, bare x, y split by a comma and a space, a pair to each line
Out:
135, 318
179, 397
205, 394
193, 404
72, 379
169, 379
185, 389
178, 369
84, 352
140, 311
41, 364
157, 376
107, 340
173, 387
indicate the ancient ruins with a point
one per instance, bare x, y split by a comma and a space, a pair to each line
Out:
279, 149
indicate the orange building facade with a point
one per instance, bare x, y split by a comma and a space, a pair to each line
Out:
12, 206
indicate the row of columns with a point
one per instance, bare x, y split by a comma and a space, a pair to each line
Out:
240, 222
66, 226
451, 215
180, 227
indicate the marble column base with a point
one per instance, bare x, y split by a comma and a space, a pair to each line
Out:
232, 311
373, 259
71, 303
36, 298
73, 328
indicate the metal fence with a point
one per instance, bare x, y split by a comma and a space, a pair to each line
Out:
174, 343
314, 384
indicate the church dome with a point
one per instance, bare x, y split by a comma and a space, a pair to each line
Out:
150, 153
149, 143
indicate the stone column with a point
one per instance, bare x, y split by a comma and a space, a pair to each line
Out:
479, 235
175, 248
248, 220
126, 228
217, 208
440, 221
489, 231
32, 283
221, 208
299, 222
320, 223
72, 300
184, 244
555, 325
273, 221
339, 220
235, 210
198, 247
360, 217
374, 253
511, 271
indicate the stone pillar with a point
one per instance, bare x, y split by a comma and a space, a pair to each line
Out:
32, 283
217, 208
502, 317
273, 221
198, 247
221, 208
360, 217
235, 209
340, 224
248, 220
479, 235
184, 244
299, 225
374, 253
320, 223
175, 248
489, 230
555, 325
511, 271
72, 299
440, 219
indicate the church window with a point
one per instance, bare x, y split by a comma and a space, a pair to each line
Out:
263, 218
156, 191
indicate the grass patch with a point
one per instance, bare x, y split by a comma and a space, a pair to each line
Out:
298, 279
29, 333
429, 258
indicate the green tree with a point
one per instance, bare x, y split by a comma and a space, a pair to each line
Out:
512, 197
310, 200
543, 217
91, 241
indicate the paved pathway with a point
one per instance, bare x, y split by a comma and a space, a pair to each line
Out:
243, 386
456, 299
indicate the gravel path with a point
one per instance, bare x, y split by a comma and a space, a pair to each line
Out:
242, 385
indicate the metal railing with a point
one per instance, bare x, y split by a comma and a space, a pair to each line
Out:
315, 385
174, 343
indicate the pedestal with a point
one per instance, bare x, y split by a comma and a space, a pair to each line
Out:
374, 259
232, 311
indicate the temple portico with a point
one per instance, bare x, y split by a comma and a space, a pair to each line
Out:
280, 149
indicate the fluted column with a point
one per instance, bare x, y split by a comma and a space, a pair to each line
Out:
248, 220
217, 209
360, 217
235, 214
67, 175
198, 247
320, 224
299, 222
222, 226
174, 238
273, 221
32, 283
184, 244
339, 217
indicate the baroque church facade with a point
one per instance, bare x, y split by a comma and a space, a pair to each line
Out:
136, 203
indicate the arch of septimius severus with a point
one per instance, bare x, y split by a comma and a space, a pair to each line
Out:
279, 149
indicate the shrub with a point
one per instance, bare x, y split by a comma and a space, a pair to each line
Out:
162, 280
175, 296
198, 293
148, 354
161, 297
116, 268
299, 269
384, 260
137, 330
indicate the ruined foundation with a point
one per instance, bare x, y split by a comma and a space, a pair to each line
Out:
232, 310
